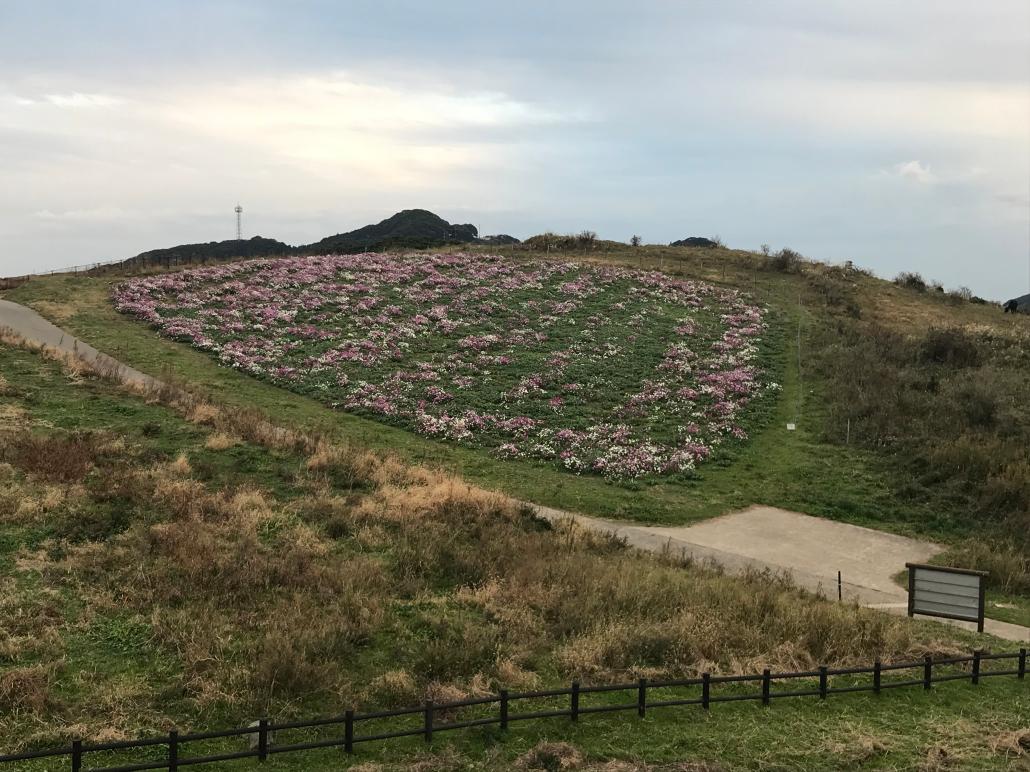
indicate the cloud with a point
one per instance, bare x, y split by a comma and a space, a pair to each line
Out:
335, 122
76, 99
916, 171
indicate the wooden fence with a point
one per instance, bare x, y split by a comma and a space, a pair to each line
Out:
261, 735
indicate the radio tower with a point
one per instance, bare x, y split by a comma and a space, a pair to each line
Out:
239, 222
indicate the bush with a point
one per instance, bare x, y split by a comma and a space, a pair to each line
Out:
55, 457
911, 280
1008, 565
950, 346
785, 261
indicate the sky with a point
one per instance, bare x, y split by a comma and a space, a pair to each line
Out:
895, 134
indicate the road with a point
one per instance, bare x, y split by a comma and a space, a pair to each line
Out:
812, 549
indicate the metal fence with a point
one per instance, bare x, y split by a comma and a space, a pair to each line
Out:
433, 717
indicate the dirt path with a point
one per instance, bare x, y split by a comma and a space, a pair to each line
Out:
812, 549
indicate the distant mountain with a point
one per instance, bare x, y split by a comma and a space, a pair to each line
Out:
412, 229
214, 251
694, 241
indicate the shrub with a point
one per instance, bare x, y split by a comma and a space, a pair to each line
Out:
785, 261
910, 280
1007, 564
55, 457
950, 346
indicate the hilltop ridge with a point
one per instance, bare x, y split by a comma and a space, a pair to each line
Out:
407, 229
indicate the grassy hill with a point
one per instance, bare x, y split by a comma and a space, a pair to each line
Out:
438, 586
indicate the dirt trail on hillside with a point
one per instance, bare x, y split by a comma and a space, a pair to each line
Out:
811, 549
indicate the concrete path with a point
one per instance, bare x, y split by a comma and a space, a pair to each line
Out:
33, 327
812, 549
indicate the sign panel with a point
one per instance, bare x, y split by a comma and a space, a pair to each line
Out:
952, 593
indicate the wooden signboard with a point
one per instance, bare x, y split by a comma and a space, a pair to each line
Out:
951, 593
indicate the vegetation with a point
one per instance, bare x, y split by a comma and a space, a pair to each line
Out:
170, 561
601, 371
205, 673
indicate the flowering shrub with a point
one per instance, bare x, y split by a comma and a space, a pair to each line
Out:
596, 368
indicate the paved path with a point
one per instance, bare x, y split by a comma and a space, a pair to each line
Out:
812, 549
33, 327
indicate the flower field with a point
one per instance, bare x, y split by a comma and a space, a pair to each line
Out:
599, 369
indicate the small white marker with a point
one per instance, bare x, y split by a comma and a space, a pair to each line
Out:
791, 427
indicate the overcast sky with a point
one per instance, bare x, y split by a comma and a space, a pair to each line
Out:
892, 133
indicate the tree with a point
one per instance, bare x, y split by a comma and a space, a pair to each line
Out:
635, 241
586, 238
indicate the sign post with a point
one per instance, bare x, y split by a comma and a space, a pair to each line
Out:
951, 593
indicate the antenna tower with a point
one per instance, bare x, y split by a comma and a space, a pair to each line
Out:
239, 222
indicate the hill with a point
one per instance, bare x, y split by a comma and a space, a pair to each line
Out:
175, 562
387, 582
695, 241
213, 251
409, 229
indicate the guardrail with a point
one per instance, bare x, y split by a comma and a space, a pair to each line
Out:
261, 734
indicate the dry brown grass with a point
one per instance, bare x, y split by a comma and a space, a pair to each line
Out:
1015, 743
550, 756
52, 457
265, 603
56, 312
29, 688
221, 441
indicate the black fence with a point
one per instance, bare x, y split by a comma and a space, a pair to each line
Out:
433, 717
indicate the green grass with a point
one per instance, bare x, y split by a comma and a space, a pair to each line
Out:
794, 470
1014, 609
109, 651
897, 730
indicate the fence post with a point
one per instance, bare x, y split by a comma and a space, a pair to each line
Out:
76, 755
504, 710
766, 685
641, 697
173, 751
1022, 664
428, 710
706, 690
823, 685
575, 701
876, 676
927, 671
263, 739
348, 732
975, 677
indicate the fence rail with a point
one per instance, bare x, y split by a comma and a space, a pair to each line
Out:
261, 734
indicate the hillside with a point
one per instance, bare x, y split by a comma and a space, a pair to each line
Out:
286, 575
438, 588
